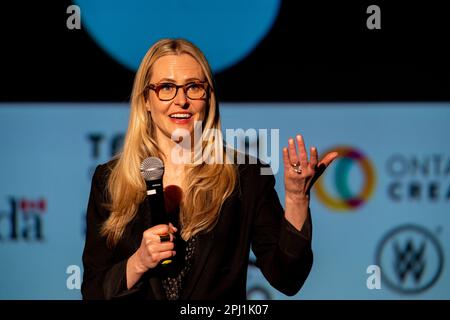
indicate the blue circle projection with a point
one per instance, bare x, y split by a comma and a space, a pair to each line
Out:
226, 31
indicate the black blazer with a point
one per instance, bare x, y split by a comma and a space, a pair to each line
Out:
252, 215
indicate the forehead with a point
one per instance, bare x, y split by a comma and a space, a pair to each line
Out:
176, 67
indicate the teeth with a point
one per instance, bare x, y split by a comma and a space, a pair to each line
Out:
181, 115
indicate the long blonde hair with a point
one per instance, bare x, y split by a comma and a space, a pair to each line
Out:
208, 185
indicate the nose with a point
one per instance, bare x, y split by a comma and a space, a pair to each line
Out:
180, 98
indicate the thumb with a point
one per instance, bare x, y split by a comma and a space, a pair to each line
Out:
329, 158
172, 227
160, 229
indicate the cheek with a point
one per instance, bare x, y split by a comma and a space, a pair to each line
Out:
156, 107
201, 109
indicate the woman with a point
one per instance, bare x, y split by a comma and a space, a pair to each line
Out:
218, 209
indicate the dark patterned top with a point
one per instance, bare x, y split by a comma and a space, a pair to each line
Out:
173, 285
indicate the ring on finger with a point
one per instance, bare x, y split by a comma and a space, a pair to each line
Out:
164, 237
297, 167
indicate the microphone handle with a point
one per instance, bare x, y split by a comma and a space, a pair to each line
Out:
155, 198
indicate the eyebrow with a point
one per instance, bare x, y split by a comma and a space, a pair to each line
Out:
173, 81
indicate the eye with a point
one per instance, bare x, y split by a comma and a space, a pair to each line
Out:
194, 87
166, 86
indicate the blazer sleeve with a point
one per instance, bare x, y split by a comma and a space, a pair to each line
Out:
282, 252
104, 277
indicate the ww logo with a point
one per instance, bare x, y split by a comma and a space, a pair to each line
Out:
410, 258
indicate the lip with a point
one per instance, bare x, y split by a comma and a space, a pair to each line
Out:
181, 121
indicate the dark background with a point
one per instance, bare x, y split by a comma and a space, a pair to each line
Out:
316, 51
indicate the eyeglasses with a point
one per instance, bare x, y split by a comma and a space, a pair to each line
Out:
167, 91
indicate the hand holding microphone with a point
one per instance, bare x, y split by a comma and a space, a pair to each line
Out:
152, 170
154, 249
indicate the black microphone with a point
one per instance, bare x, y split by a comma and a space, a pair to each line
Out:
152, 169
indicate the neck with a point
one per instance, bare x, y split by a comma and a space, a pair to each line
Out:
169, 147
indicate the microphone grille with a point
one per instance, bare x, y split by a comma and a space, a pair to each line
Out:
152, 168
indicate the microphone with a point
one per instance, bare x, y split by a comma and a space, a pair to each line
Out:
152, 170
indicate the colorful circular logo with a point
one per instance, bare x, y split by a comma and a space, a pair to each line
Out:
341, 194
226, 31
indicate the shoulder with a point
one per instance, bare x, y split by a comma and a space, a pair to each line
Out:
254, 172
256, 182
102, 172
253, 165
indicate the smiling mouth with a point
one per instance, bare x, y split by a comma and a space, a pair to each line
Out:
181, 116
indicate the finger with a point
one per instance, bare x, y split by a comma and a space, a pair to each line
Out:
165, 237
329, 158
150, 236
286, 161
160, 229
313, 158
293, 159
161, 238
303, 156
160, 247
323, 164
160, 256
166, 255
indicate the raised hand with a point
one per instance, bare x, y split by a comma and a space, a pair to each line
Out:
299, 177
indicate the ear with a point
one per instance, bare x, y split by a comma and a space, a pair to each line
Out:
147, 105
